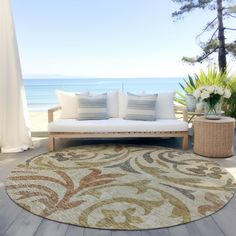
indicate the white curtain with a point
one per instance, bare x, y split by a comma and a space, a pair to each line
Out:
14, 129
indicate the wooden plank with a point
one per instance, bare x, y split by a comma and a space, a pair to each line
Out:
225, 220
192, 229
180, 230
8, 211
232, 202
25, 224
184, 230
7, 217
47, 227
96, 232
155, 232
126, 233
207, 226
75, 231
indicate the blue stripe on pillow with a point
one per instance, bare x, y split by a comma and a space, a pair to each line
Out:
141, 107
93, 107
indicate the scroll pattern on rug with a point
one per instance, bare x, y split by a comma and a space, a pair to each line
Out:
124, 187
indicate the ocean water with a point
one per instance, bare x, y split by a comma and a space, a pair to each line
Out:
40, 93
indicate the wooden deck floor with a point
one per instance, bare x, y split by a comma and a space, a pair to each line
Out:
14, 221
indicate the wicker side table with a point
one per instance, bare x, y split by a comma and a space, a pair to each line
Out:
213, 138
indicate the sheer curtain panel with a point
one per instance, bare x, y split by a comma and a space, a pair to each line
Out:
14, 129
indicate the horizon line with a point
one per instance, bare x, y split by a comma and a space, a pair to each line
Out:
93, 77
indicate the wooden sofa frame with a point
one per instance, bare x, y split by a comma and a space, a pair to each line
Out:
53, 135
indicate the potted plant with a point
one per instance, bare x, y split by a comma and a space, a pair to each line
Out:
188, 99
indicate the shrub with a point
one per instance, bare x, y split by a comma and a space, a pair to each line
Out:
229, 105
211, 77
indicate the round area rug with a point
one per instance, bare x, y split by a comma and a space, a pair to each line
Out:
121, 186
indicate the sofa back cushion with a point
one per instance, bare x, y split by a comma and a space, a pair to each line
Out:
141, 107
93, 107
68, 102
165, 105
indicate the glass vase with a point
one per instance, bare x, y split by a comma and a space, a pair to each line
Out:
190, 102
212, 112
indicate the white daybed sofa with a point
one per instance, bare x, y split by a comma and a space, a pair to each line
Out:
68, 126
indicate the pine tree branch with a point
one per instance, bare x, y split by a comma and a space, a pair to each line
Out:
206, 55
228, 14
190, 5
213, 35
184, 9
210, 24
230, 28
199, 59
231, 48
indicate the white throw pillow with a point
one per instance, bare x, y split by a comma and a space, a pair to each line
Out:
165, 105
68, 102
112, 103
123, 103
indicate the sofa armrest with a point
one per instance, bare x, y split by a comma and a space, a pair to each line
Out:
182, 110
51, 113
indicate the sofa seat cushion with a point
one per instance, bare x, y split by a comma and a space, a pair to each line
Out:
116, 125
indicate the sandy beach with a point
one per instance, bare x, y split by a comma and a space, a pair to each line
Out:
39, 120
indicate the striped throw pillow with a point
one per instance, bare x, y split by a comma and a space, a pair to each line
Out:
93, 107
141, 107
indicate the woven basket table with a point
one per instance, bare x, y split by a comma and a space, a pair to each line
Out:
213, 138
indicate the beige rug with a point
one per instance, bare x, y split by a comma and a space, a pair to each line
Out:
121, 186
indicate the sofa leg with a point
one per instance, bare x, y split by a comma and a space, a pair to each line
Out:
185, 142
51, 144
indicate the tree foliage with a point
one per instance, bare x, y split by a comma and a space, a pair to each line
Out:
217, 42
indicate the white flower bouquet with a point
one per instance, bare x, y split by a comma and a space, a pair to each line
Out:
205, 93
212, 96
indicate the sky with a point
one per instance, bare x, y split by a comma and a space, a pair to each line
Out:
106, 38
